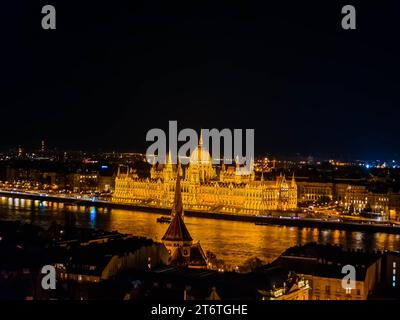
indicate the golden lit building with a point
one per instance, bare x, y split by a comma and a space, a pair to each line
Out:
394, 206
315, 191
231, 190
356, 198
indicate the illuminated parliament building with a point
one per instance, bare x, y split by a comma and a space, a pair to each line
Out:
232, 190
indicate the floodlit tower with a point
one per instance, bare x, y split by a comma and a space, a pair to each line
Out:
177, 238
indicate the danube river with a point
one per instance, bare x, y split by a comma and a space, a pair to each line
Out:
232, 241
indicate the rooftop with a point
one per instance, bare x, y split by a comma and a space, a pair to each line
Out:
326, 260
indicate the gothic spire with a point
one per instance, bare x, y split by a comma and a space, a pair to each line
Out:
169, 157
177, 230
178, 206
201, 137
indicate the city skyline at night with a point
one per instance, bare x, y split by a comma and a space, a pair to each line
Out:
200, 158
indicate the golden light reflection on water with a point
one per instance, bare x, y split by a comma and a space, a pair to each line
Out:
231, 241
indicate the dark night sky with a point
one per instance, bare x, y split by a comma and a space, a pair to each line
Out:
112, 71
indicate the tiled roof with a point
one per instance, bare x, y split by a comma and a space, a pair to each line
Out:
177, 230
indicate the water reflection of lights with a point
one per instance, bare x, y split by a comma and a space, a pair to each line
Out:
336, 236
325, 235
359, 236
93, 213
232, 241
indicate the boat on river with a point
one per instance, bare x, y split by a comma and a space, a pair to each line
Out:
164, 219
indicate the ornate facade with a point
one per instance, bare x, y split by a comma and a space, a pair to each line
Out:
231, 190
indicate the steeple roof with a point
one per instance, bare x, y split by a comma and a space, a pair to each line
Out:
201, 137
177, 230
177, 207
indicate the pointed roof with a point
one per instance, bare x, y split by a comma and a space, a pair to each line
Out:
293, 180
169, 157
177, 230
214, 295
201, 137
197, 256
177, 207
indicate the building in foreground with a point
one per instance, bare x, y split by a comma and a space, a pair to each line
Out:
322, 266
98, 261
230, 190
176, 284
390, 285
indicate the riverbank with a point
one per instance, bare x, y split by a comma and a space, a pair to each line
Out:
259, 220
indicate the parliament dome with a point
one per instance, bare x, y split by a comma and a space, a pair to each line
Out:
200, 155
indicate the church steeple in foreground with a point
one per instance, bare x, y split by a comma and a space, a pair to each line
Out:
177, 238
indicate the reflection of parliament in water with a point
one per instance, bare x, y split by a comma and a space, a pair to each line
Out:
233, 189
